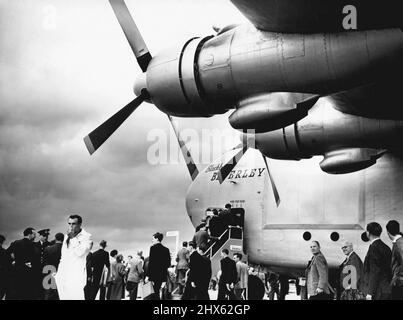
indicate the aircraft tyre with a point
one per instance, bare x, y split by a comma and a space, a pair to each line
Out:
256, 289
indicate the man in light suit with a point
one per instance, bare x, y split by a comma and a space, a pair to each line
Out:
182, 259
71, 275
159, 262
377, 273
242, 271
351, 270
394, 234
317, 275
135, 275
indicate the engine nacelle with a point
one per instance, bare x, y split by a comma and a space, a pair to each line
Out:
347, 142
173, 83
171, 90
349, 160
271, 111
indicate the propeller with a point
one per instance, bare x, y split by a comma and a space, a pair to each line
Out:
273, 184
102, 133
132, 33
226, 169
192, 168
98, 136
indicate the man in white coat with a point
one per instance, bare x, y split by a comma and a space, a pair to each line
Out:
71, 276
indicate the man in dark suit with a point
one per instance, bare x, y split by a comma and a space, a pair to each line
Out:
227, 216
5, 270
108, 281
99, 260
201, 237
26, 265
53, 253
88, 285
159, 262
204, 275
377, 273
51, 257
216, 225
393, 228
228, 277
40, 247
351, 272
42, 243
192, 273
199, 275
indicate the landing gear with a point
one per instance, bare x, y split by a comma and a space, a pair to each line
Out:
256, 289
284, 287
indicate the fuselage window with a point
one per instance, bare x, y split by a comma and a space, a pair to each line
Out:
307, 236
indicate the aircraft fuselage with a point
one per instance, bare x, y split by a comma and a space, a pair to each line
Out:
315, 206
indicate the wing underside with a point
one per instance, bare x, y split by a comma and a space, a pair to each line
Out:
380, 100
317, 16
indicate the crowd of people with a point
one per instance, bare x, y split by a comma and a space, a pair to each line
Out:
380, 277
67, 269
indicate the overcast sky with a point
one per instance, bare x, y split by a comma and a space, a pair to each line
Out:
65, 66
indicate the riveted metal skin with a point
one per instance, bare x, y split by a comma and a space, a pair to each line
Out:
245, 61
325, 130
207, 76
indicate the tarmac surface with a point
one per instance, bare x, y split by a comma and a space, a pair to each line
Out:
213, 295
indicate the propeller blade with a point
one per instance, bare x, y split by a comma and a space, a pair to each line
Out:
273, 184
98, 136
230, 165
132, 33
185, 152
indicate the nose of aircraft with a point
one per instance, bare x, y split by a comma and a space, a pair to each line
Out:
140, 84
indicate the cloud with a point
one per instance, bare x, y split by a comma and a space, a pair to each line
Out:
65, 67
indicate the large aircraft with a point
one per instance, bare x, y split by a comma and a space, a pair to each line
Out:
305, 78
315, 205
275, 69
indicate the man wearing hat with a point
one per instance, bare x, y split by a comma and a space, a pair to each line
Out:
51, 261
40, 247
394, 234
43, 242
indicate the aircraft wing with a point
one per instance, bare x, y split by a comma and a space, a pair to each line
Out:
379, 100
317, 16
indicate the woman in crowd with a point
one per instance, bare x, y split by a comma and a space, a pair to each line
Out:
118, 275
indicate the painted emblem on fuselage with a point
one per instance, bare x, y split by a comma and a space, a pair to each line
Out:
240, 174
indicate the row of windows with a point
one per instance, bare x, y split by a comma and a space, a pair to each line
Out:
334, 236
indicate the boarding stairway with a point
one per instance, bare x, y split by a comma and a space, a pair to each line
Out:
231, 239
